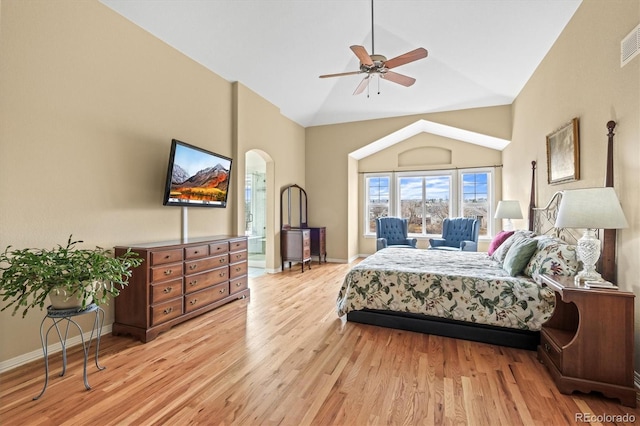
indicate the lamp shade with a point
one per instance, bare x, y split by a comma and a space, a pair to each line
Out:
591, 208
508, 209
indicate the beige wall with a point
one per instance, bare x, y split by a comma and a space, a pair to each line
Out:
581, 77
330, 172
89, 103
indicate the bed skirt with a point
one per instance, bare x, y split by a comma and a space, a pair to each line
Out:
521, 339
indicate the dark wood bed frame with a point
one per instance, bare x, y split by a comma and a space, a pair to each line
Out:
541, 221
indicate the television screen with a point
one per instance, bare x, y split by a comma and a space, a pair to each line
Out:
196, 177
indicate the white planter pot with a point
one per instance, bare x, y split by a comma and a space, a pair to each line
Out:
61, 299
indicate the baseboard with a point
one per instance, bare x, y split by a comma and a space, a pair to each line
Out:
51, 349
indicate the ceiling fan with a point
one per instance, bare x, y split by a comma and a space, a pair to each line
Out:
372, 65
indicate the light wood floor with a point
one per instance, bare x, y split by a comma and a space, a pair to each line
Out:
283, 357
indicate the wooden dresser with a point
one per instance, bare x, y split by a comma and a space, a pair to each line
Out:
587, 345
295, 246
178, 281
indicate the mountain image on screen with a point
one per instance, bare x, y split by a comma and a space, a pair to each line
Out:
209, 185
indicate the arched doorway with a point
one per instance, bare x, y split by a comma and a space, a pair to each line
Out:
255, 207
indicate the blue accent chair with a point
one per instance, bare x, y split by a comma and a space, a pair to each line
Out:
458, 234
392, 231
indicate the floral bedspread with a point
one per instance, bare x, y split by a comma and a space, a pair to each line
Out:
464, 286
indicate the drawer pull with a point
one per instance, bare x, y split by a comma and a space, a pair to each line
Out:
547, 347
194, 282
167, 257
168, 272
192, 267
222, 274
168, 310
238, 269
221, 260
193, 301
222, 291
238, 256
238, 284
168, 290
196, 252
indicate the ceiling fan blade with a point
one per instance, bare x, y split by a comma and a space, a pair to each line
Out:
362, 54
398, 78
363, 84
414, 55
341, 74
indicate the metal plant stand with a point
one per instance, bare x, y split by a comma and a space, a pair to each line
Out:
62, 315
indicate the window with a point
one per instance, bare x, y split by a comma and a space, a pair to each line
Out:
425, 201
377, 199
427, 198
475, 198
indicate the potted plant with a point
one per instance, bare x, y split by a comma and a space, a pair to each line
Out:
82, 276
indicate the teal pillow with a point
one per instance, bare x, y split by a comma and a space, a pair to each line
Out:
519, 255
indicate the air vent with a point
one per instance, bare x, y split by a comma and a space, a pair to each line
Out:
630, 46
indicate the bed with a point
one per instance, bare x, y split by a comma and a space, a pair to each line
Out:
467, 295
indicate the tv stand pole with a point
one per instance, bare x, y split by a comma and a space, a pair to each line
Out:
185, 226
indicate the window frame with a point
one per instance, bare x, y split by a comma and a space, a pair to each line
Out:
367, 204
456, 204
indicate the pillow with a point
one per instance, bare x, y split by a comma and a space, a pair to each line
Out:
498, 240
501, 252
519, 255
553, 259
545, 240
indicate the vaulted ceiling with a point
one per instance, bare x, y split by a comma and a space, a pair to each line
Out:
481, 52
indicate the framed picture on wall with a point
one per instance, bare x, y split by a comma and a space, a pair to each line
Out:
563, 153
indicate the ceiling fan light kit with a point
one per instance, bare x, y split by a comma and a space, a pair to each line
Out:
378, 65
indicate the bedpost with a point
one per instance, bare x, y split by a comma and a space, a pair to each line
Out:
608, 260
532, 200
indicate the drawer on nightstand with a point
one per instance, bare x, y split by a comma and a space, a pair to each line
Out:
551, 350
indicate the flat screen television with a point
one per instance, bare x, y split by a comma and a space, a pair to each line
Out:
196, 177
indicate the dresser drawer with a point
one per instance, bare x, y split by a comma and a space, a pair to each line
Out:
166, 311
202, 265
166, 256
237, 270
205, 297
550, 349
238, 245
218, 248
166, 290
238, 284
166, 272
306, 252
196, 252
199, 281
237, 256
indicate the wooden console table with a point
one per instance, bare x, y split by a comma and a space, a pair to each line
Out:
587, 344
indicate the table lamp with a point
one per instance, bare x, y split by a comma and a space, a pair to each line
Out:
508, 209
591, 209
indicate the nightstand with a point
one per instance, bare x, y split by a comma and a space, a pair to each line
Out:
587, 345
